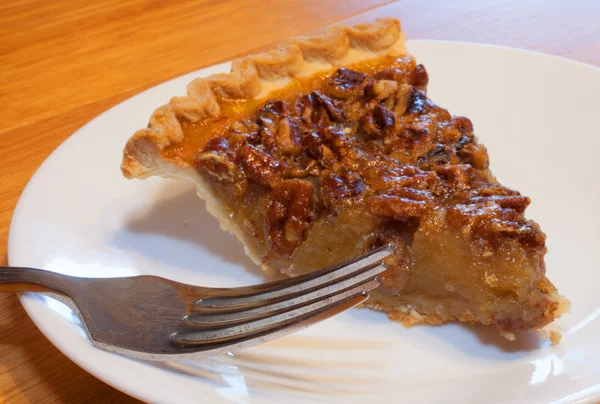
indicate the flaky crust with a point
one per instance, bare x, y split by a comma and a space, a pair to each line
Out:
255, 77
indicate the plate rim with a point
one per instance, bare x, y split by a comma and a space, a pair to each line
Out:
29, 300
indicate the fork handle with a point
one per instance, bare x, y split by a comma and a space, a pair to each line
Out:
16, 279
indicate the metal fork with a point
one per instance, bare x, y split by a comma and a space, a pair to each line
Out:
153, 318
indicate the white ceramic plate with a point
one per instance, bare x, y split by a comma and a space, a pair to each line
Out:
538, 117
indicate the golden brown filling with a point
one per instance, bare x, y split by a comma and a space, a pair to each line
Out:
336, 164
361, 139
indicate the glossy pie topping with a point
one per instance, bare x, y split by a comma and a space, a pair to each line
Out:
365, 137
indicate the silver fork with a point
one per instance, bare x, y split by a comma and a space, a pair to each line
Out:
153, 318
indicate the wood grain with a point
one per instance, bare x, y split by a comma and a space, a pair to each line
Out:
75, 53
64, 62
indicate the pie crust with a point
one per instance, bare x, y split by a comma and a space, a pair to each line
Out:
464, 248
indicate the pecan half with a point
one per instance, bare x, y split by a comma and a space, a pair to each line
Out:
437, 156
312, 144
383, 89
402, 72
290, 211
288, 137
485, 220
346, 84
420, 78
339, 188
412, 194
487, 189
402, 98
397, 207
475, 155
261, 167
337, 139
328, 156
334, 110
392, 179
242, 132
217, 144
269, 120
217, 162
419, 104
379, 123
517, 202
463, 124
456, 176
273, 108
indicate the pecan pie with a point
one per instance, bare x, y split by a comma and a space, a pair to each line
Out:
328, 146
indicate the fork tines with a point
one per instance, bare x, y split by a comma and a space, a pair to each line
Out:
283, 306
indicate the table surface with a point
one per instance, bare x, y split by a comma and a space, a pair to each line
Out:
64, 62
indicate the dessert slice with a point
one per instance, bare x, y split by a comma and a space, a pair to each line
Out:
326, 147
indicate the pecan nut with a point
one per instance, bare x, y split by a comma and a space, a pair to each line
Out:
290, 211
383, 89
334, 110
439, 155
261, 167
420, 77
397, 207
288, 137
379, 123
475, 155
517, 202
402, 98
346, 84
339, 188
217, 162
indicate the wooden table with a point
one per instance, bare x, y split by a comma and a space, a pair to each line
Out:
64, 62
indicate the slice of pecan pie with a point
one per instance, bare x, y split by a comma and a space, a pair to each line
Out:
326, 147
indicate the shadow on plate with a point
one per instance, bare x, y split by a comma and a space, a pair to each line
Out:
525, 340
179, 214
476, 340
471, 340
281, 372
